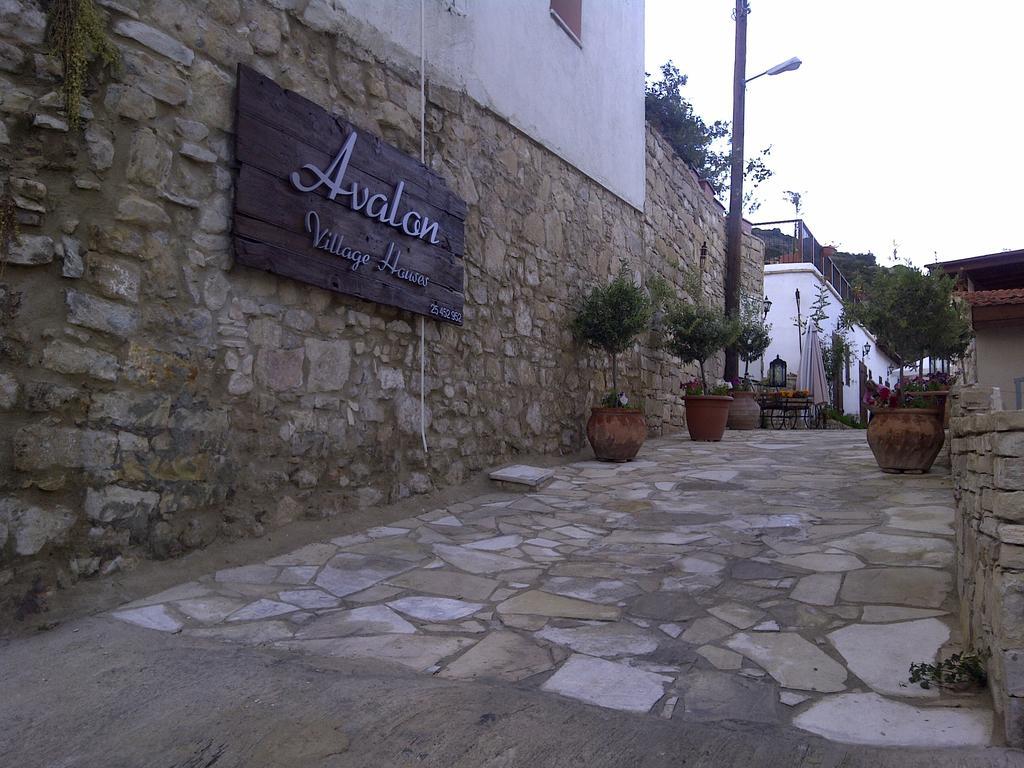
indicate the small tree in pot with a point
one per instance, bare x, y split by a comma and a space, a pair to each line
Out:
753, 339
609, 318
915, 314
694, 334
754, 336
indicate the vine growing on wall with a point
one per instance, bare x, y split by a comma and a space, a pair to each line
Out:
77, 34
8, 224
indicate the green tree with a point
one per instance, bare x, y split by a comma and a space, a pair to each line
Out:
694, 139
857, 268
836, 351
611, 316
914, 314
754, 333
696, 332
819, 310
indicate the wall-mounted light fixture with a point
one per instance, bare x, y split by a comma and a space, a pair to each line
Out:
766, 305
703, 255
865, 350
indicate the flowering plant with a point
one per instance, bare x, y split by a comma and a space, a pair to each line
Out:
910, 393
794, 393
933, 382
742, 385
694, 388
618, 400
879, 396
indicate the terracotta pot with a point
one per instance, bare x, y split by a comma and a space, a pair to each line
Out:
905, 439
616, 434
940, 398
744, 412
706, 416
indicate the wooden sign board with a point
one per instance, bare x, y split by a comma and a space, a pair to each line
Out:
321, 201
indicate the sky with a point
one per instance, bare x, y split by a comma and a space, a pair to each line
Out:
904, 124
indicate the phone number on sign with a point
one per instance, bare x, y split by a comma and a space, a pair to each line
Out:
451, 315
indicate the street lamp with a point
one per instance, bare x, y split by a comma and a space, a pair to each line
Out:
734, 224
787, 66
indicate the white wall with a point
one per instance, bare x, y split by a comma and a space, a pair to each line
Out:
780, 284
586, 103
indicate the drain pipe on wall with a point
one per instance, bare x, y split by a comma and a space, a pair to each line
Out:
423, 159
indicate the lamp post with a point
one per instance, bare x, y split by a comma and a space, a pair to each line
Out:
799, 325
734, 224
766, 306
703, 262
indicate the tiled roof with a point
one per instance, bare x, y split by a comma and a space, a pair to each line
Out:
992, 298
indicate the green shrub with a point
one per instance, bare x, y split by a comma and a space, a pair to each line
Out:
696, 332
611, 317
754, 335
843, 418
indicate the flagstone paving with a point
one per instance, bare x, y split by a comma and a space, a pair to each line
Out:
772, 577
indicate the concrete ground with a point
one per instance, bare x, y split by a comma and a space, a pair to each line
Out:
707, 604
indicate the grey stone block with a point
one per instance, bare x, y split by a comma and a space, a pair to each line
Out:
523, 475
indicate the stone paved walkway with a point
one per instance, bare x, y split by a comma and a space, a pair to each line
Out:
776, 577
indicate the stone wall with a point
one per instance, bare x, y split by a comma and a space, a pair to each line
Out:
988, 470
153, 395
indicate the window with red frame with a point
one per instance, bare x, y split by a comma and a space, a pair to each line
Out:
569, 15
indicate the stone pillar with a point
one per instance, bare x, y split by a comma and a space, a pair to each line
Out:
987, 450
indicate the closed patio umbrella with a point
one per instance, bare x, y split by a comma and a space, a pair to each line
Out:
811, 375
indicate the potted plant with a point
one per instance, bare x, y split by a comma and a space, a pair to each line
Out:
933, 389
695, 333
914, 314
744, 411
610, 318
905, 431
753, 340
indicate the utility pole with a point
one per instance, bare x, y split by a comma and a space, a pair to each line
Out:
734, 223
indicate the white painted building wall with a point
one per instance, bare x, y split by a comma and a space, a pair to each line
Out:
781, 282
583, 102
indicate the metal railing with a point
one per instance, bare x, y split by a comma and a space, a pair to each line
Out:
801, 247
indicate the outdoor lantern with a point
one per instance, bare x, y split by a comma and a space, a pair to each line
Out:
703, 254
767, 305
867, 348
777, 372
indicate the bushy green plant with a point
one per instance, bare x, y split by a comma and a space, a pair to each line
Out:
754, 335
696, 332
959, 670
694, 140
913, 313
844, 418
611, 317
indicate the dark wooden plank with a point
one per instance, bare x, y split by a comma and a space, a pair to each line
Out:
264, 198
263, 146
310, 123
997, 313
278, 132
261, 231
320, 269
